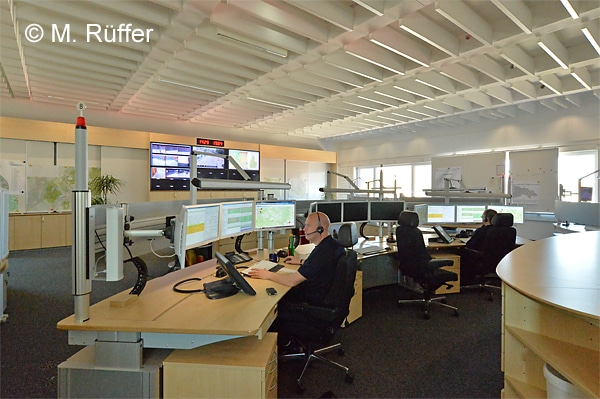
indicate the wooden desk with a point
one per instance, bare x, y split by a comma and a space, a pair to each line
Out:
551, 314
119, 332
382, 268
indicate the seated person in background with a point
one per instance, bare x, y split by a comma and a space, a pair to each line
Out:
314, 277
467, 273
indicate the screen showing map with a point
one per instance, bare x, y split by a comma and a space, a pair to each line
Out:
248, 160
274, 215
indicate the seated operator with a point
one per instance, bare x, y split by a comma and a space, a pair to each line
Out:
311, 282
467, 272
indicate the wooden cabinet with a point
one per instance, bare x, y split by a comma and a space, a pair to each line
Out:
551, 315
454, 268
44, 230
237, 368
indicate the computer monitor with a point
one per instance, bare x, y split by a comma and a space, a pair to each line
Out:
230, 285
333, 210
204, 161
248, 160
237, 218
469, 213
441, 214
385, 211
421, 210
195, 226
443, 234
355, 211
517, 211
585, 194
274, 215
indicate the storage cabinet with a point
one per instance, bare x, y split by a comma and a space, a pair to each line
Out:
43, 230
237, 368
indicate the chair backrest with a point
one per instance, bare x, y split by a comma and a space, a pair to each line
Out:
342, 289
499, 240
412, 253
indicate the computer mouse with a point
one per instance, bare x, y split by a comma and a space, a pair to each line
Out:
282, 253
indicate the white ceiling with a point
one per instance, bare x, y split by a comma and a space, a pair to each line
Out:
326, 69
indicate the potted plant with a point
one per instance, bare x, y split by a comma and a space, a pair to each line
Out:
103, 185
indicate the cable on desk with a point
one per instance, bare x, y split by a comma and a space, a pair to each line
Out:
187, 280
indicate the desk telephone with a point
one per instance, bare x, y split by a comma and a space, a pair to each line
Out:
238, 257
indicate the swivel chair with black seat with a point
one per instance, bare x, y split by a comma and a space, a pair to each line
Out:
322, 323
415, 262
499, 240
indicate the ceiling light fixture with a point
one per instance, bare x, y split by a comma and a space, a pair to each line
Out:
256, 45
405, 55
554, 49
397, 72
191, 86
567, 4
583, 77
593, 39
414, 92
270, 103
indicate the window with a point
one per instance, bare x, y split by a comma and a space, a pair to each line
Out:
574, 165
410, 180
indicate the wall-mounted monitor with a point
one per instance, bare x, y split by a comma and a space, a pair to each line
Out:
237, 218
469, 213
248, 160
274, 215
333, 210
208, 161
441, 214
355, 211
517, 211
169, 166
196, 225
385, 211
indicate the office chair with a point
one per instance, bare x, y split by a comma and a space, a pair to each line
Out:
499, 240
323, 322
415, 262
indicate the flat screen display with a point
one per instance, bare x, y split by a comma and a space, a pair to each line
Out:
355, 211
248, 160
204, 161
169, 166
469, 213
385, 211
196, 225
333, 210
517, 211
274, 215
441, 214
237, 218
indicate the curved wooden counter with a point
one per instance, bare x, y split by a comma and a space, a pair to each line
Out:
551, 314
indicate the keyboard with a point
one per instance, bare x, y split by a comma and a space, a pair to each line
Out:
369, 250
264, 264
237, 258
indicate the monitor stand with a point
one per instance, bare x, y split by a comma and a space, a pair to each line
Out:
220, 289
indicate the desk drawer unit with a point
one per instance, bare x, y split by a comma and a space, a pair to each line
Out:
237, 368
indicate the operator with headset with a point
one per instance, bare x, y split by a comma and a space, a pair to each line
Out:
313, 278
470, 255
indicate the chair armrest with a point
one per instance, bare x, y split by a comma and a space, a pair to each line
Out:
437, 263
318, 312
475, 254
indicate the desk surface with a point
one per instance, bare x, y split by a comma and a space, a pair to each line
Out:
563, 271
159, 309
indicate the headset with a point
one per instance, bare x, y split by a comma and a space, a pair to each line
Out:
319, 229
486, 215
